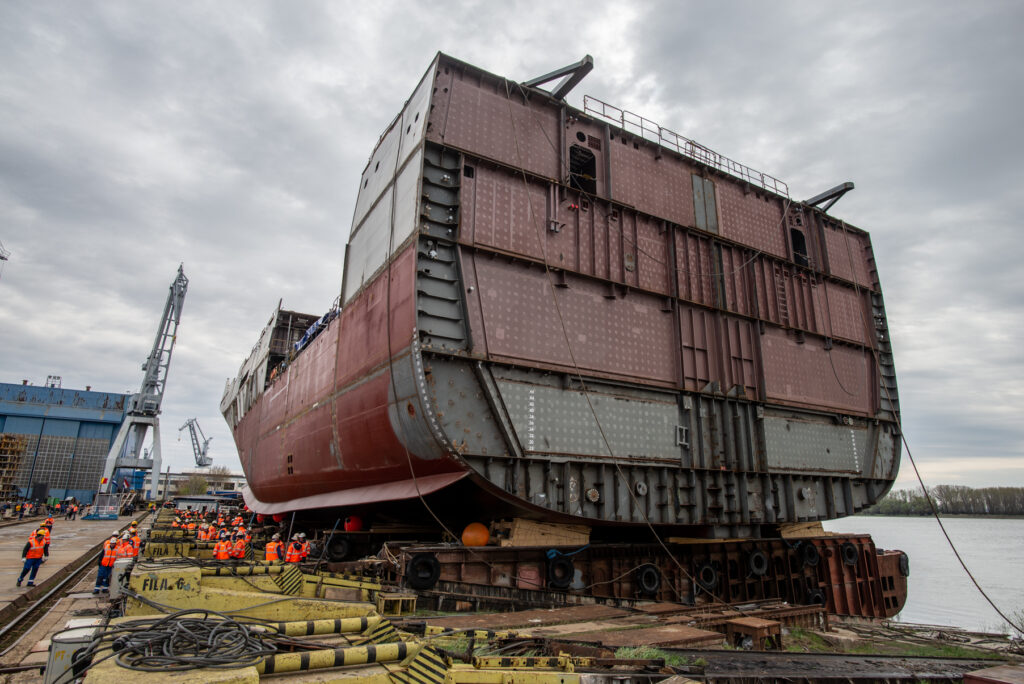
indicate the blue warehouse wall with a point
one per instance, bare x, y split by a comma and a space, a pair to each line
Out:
67, 436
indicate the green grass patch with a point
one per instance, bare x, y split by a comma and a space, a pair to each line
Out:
652, 653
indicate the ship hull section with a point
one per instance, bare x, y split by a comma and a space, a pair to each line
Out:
324, 425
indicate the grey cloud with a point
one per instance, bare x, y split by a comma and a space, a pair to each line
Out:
231, 136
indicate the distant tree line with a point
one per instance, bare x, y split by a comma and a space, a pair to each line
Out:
952, 500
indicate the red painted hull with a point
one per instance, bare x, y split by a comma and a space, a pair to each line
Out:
322, 427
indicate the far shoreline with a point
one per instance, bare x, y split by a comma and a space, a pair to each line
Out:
1001, 516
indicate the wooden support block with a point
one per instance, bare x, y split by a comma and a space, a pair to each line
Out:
766, 634
522, 532
396, 604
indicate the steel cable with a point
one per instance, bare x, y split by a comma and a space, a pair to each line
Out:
910, 456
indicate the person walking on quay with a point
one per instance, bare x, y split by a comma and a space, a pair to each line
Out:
107, 559
33, 554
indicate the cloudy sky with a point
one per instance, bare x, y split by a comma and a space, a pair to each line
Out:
230, 136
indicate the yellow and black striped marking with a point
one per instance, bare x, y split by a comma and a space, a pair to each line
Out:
523, 662
482, 634
384, 632
289, 580
428, 667
336, 626
337, 657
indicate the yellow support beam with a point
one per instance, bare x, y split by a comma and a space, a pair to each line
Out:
337, 657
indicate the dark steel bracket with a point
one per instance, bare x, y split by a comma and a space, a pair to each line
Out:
573, 74
831, 196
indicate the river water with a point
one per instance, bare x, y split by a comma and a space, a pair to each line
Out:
940, 593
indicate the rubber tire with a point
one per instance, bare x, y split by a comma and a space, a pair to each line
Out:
815, 597
560, 572
809, 555
648, 579
904, 565
848, 552
757, 562
422, 571
339, 549
707, 577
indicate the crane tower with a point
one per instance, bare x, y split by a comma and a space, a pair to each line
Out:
144, 407
200, 442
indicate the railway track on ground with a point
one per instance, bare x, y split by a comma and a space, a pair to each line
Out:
20, 617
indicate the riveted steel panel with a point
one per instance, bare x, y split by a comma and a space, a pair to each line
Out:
849, 254
800, 445
558, 421
809, 373
627, 334
751, 218
650, 179
483, 118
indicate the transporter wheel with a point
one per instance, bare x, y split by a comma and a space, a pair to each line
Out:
757, 561
339, 549
707, 577
848, 552
809, 554
648, 579
423, 571
560, 572
904, 564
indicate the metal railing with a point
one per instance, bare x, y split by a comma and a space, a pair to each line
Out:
652, 132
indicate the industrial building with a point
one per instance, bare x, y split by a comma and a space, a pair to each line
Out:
54, 441
171, 483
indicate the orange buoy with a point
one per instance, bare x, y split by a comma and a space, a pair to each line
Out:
475, 534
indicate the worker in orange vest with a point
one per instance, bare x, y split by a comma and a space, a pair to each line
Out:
305, 545
33, 554
107, 558
237, 521
136, 539
125, 548
222, 549
241, 531
238, 547
294, 554
275, 548
177, 523
46, 534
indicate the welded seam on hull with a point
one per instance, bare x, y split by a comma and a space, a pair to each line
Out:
420, 378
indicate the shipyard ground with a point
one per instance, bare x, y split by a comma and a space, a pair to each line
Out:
644, 643
69, 540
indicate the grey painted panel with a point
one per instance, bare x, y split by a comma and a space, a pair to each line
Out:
802, 445
553, 420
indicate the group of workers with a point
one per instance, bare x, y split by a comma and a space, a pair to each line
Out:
36, 551
127, 546
233, 538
